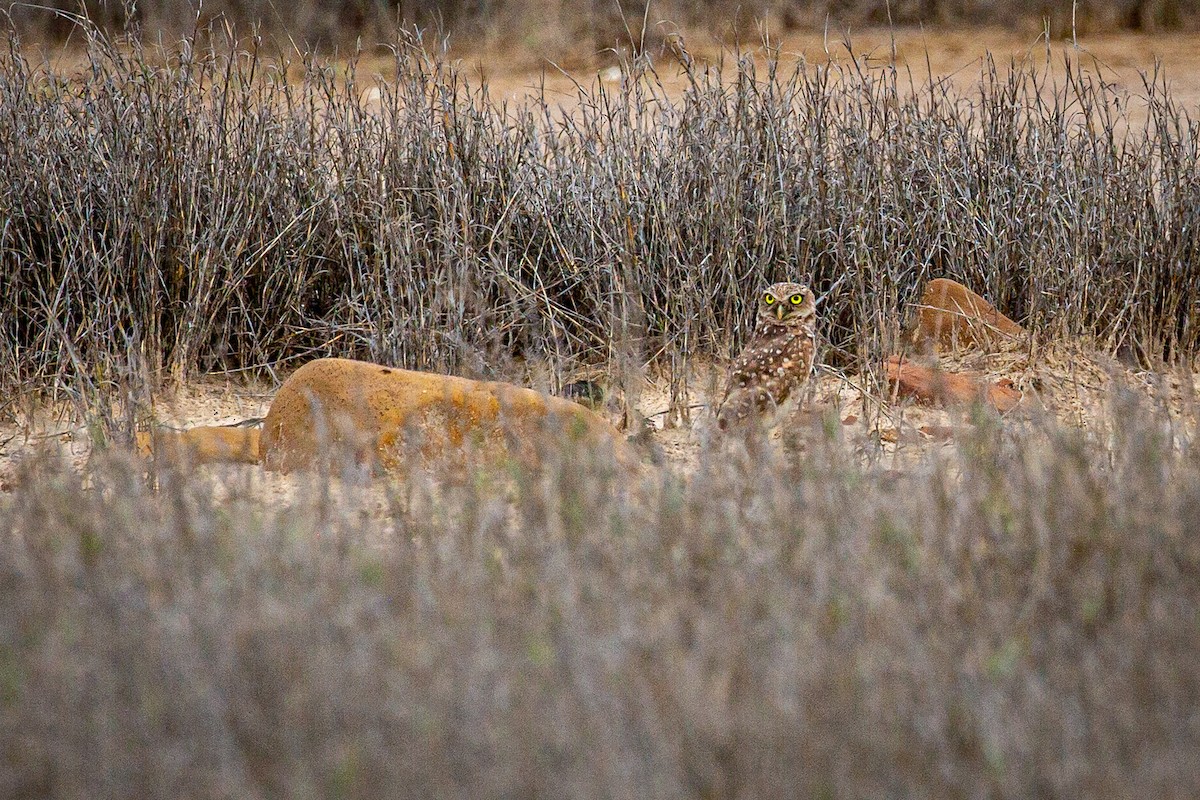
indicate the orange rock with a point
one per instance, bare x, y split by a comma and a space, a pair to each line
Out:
391, 417
947, 388
951, 315
202, 445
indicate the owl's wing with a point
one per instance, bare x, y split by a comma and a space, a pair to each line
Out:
741, 373
741, 405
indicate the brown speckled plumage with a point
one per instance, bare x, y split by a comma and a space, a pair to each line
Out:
777, 359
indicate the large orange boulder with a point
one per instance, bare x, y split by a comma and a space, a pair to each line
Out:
949, 388
951, 315
394, 418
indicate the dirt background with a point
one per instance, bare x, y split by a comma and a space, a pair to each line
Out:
1070, 383
1122, 59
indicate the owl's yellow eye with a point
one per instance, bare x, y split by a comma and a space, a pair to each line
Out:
797, 299
768, 298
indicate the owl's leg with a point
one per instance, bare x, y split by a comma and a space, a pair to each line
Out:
743, 406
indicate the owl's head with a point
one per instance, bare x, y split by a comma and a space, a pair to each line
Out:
786, 304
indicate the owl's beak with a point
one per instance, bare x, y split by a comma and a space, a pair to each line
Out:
779, 309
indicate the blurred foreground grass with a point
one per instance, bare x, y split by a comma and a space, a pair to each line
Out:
1017, 616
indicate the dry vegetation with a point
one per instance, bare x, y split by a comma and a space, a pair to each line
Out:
1013, 614
1017, 618
191, 211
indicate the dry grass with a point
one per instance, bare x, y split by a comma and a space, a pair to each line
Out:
1015, 614
168, 213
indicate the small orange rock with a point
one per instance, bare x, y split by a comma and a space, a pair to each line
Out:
951, 315
1003, 396
896, 435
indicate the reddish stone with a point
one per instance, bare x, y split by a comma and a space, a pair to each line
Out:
951, 315
948, 388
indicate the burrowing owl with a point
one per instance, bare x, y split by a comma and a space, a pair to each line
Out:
777, 359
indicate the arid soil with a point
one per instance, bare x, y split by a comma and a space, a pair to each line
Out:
1121, 59
1069, 383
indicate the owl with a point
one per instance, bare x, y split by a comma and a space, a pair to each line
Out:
777, 359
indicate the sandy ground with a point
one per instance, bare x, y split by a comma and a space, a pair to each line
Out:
1122, 60
1070, 384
